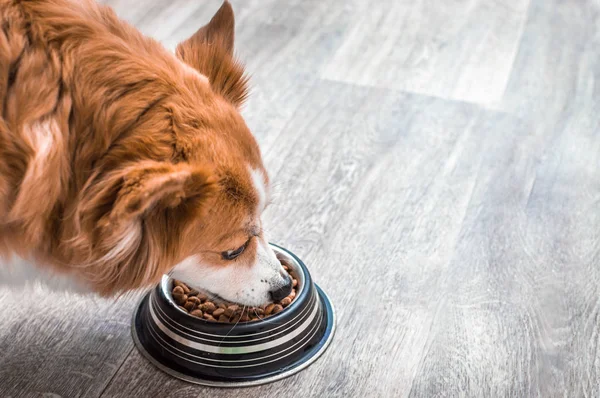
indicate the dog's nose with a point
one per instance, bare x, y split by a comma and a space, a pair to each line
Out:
283, 291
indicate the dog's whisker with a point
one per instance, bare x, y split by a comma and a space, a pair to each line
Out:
258, 316
233, 327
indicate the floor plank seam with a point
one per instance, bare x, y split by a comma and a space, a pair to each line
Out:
292, 116
515, 55
108, 383
480, 106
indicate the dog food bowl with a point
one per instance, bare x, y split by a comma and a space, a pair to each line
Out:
227, 355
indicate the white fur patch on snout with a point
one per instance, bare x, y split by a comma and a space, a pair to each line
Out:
247, 284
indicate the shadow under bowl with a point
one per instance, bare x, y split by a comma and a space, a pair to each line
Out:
244, 354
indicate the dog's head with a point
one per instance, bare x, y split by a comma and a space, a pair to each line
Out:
197, 212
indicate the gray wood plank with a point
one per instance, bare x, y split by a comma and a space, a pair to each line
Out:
530, 287
553, 84
555, 70
165, 21
61, 345
456, 50
522, 302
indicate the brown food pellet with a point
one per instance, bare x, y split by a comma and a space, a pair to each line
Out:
286, 301
218, 312
178, 290
231, 310
277, 308
292, 295
182, 285
194, 300
197, 313
203, 297
198, 304
269, 309
180, 298
209, 307
209, 317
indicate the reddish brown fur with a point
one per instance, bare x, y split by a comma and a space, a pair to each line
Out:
135, 135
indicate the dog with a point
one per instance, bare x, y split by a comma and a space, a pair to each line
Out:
121, 161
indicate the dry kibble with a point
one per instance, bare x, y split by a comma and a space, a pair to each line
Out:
198, 304
292, 295
178, 290
269, 309
182, 285
180, 298
209, 317
218, 312
286, 301
209, 307
259, 311
203, 297
277, 308
190, 306
232, 309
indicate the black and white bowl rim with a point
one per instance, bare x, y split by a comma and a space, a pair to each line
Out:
312, 356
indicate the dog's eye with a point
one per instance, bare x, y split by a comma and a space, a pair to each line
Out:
232, 254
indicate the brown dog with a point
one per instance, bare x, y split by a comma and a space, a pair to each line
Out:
120, 161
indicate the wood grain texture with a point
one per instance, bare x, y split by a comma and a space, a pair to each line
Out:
459, 240
460, 50
57, 345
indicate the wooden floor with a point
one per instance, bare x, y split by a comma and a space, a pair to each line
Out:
438, 168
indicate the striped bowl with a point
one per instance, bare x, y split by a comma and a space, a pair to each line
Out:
246, 354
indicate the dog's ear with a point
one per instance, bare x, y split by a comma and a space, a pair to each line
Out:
125, 218
210, 52
127, 194
220, 31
